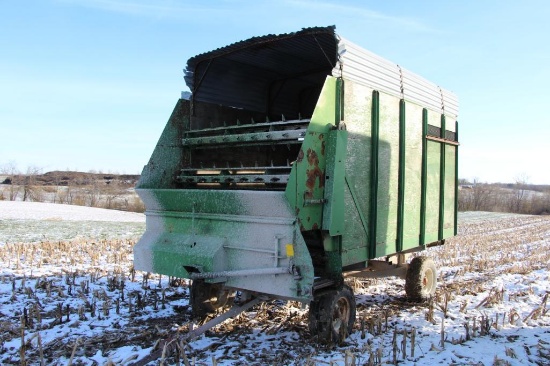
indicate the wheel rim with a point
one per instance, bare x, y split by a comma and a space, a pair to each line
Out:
218, 296
341, 314
428, 281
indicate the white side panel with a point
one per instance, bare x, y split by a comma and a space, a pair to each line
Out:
366, 68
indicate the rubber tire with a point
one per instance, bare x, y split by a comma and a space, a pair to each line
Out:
421, 280
329, 311
206, 298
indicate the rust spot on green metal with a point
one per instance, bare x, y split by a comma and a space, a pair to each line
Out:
316, 173
300, 156
312, 158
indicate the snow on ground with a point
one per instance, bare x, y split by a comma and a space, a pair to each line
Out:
83, 304
18, 210
34, 221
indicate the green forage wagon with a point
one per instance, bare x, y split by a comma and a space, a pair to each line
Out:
299, 159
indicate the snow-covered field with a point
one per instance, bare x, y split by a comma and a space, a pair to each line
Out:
34, 221
68, 295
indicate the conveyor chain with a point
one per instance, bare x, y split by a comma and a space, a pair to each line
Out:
269, 174
256, 133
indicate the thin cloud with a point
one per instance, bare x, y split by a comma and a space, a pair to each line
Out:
184, 10
361, 12
155, 9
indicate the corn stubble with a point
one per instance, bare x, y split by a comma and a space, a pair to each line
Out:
68, 285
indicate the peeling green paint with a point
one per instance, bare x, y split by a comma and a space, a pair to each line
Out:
307, 178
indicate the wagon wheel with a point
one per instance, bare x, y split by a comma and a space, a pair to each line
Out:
421, 279
332, 314
206, 298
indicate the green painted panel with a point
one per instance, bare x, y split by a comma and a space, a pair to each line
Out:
388, 175
166, 161
310, 182
432, 191
307, 177
355, 241
449, 211
413, 178
335, 180
357, 116
354, 255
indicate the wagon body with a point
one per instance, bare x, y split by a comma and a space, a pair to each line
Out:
299, 157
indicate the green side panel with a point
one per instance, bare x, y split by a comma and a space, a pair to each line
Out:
355, 240
449, 203
388, 176
335, 180
432, 191
166, 161
413, 176
307, 178
357, 191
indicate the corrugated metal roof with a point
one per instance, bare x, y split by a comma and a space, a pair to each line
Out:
272, 73
283, 74
364, 67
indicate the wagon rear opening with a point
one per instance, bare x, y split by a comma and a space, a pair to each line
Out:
251, 105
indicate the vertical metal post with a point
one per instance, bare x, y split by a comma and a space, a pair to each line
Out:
442, 182
456, 180
423, 178
339, 101
401, 178
375, 116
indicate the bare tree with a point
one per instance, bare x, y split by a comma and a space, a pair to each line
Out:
482, 196
57, 196
112, 193
93, 193
10, 169
517, 200
31, 191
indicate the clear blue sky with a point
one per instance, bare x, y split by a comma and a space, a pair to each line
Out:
89, 84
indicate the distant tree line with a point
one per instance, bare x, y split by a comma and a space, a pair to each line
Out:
518, 197
73, 188
114, 191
